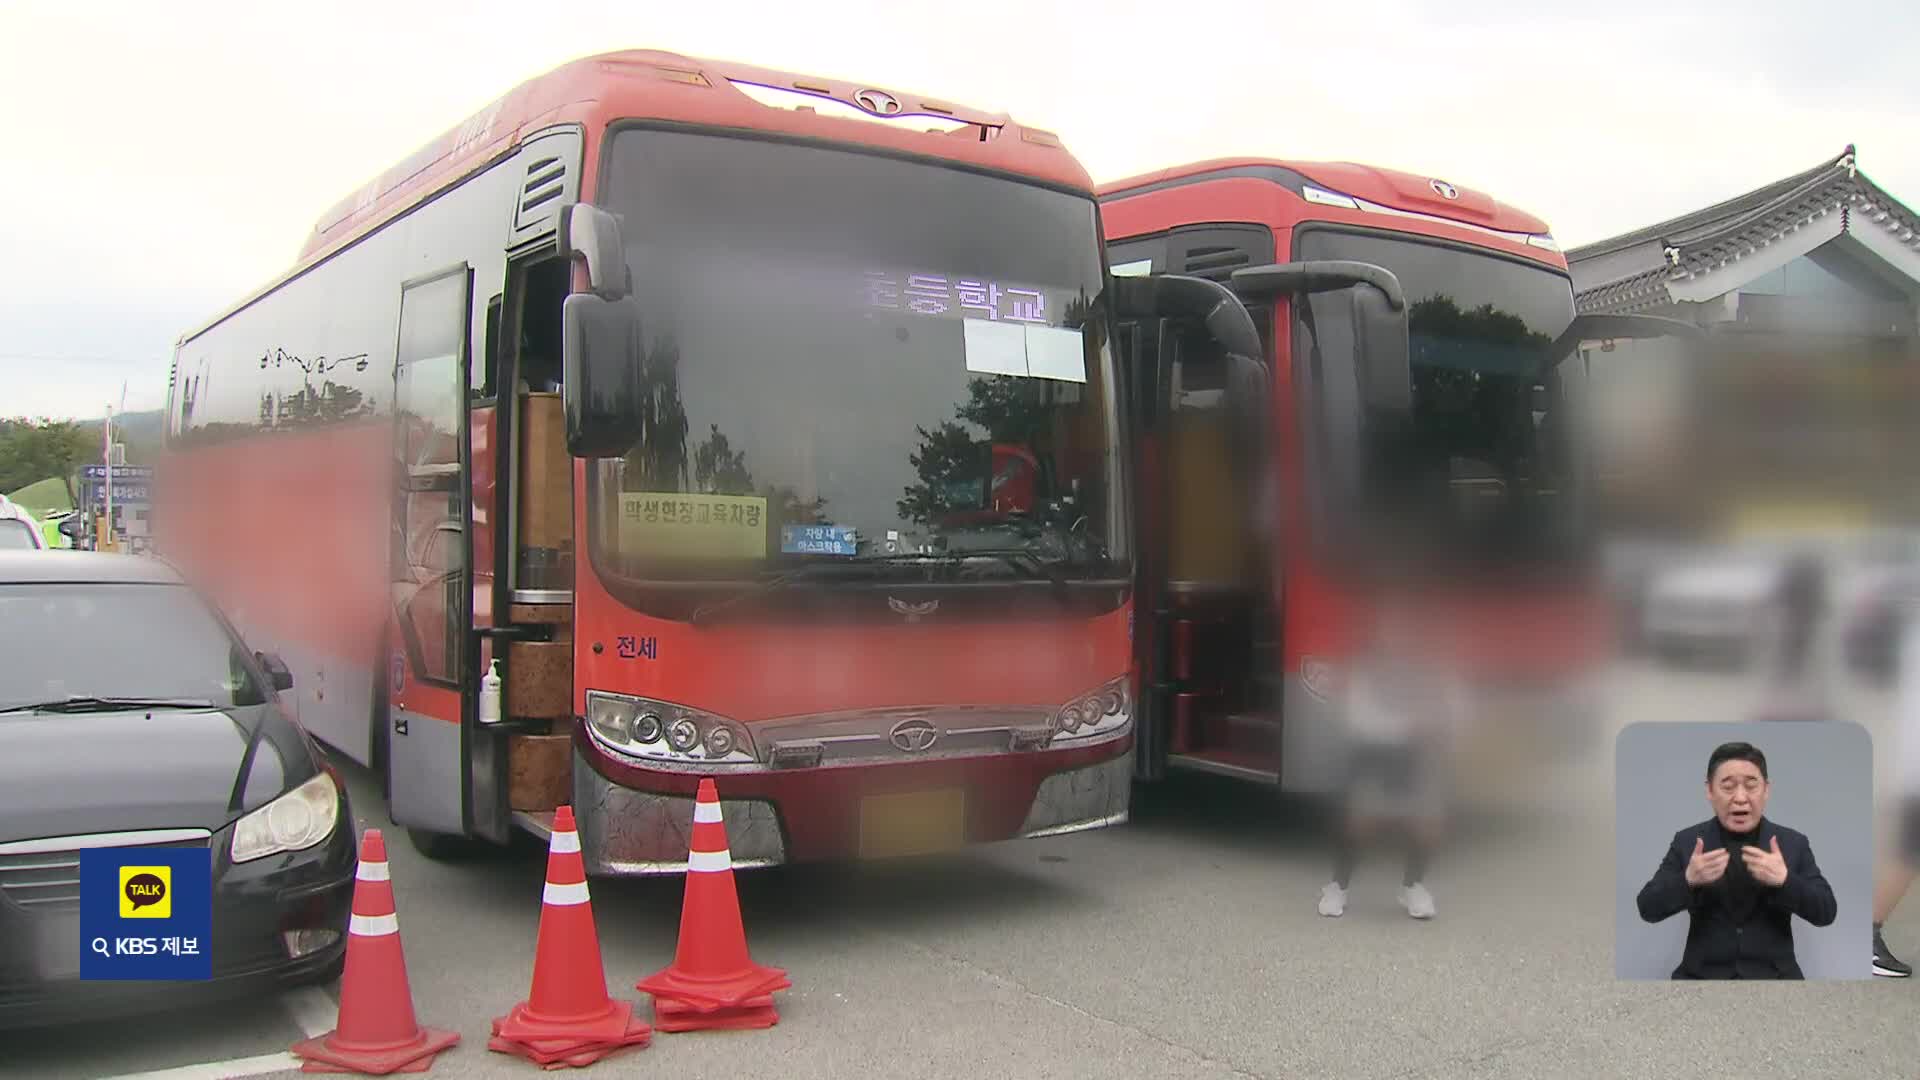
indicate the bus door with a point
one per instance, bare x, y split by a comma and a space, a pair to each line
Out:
1141, 344
1193, 590
431, 692
531, 632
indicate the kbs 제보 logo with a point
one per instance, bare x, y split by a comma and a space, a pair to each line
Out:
146, 913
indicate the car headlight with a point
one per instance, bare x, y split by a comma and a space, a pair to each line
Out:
295, 821
661, 731
1096, 714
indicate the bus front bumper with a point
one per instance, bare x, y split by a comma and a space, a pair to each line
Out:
637, 821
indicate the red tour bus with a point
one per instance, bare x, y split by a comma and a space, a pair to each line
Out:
756, 426
1406, 404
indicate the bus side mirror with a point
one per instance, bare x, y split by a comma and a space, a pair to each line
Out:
601, 387
1609, 328
1383, 365
277, 670
1382, 352
592, 235
72, 528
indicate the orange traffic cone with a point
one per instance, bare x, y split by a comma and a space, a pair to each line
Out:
567, 1019
377, 1033
712, 982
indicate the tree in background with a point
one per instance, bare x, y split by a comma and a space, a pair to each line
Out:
35, 450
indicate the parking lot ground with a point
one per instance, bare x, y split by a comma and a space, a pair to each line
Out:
1185, 943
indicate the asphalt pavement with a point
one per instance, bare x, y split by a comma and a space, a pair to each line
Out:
1184, 944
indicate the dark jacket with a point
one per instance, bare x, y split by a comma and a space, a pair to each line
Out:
1740, 929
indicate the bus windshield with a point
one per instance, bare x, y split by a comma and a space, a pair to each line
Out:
856, 359
1487, 464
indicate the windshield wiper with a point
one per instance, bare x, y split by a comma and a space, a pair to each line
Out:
1016, 559
81, 704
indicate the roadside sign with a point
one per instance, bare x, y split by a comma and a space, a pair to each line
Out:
98, 473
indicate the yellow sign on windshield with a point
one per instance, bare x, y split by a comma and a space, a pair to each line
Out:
687, 525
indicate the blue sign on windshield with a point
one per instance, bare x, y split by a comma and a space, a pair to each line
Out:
818, 540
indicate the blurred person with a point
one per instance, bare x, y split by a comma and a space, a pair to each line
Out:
1803, 590
1797, 685
1400, 709
1740, 878
1896, 874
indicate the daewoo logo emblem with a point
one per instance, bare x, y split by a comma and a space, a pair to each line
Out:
913, 612
1444, 189
877, 102
913, 735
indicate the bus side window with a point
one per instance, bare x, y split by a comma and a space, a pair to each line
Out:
544, 291
484, 381
1201, 490
544, 529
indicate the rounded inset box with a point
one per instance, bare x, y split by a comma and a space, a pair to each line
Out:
1743, 850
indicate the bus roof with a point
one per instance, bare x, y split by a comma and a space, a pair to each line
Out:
650, 84
1384, 187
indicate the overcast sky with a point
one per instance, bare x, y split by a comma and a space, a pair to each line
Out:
163, 159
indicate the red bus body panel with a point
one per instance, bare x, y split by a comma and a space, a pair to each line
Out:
290, 530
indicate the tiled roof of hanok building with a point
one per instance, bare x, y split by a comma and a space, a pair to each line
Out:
1699, 256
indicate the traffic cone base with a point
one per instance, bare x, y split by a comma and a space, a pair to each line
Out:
557, 1053
548, 1042
548, 1061
709, 994
755, 1012
416, 1057
376, 1033
523, 1025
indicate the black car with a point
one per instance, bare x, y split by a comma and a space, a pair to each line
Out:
132, 715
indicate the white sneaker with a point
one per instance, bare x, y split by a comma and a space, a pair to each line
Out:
1333, 900
1418, 901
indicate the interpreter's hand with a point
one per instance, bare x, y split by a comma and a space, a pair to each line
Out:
1706, 867
1767, 867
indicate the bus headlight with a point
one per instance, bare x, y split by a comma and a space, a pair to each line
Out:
682, 734
1101, 713
612, 717
645, 729
293, 822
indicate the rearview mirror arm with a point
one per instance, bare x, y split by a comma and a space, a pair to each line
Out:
1330, 275
1172, 296
592, 235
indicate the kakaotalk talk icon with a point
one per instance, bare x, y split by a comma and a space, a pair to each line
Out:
146, 892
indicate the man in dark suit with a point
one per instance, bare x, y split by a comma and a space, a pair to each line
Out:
1740, 878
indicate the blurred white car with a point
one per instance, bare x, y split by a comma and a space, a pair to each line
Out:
1730, 605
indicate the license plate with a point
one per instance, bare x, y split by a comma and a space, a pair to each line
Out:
913, 823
